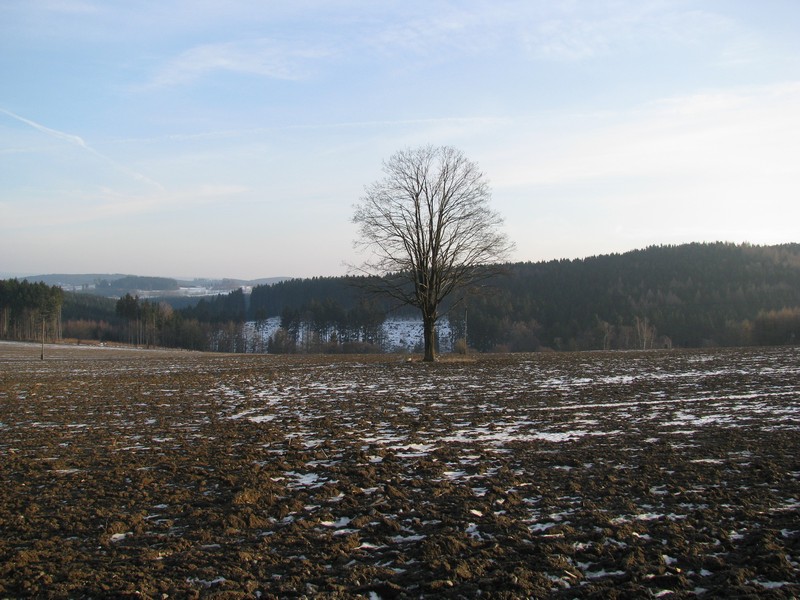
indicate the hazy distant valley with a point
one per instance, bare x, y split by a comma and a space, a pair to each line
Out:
116, 285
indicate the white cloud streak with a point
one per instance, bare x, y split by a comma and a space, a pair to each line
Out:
81, 143
74, 139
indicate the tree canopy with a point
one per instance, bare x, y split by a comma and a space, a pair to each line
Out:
428, 230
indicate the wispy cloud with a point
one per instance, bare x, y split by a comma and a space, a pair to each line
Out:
262, 57
547, 31
111, 205
581, 31
74, 139
723, 136
81, 143
466, 123
107, 206
434, 36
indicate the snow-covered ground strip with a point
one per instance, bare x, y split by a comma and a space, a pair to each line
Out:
397, 335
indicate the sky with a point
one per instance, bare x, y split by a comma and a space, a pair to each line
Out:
193, 138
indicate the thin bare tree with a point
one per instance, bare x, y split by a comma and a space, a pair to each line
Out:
428, 230
645, 332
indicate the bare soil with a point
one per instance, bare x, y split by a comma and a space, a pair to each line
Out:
594, 475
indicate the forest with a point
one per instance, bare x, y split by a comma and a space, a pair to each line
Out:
692, 295
29, 311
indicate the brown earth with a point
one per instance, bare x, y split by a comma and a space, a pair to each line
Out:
175, 474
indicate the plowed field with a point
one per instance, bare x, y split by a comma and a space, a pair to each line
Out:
166, 474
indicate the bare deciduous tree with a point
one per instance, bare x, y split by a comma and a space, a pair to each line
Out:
645, 332
429, 230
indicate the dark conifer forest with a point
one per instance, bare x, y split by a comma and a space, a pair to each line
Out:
692, 295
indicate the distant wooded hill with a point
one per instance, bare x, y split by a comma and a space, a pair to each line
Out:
689, 296
117, 285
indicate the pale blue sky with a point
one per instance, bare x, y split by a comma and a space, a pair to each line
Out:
198, 138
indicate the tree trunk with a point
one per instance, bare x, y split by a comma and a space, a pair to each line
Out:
429, 336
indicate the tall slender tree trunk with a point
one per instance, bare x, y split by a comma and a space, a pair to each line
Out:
429, 336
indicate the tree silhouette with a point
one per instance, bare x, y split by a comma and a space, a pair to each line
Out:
429, 230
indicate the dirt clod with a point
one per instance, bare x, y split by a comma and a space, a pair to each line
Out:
591, 475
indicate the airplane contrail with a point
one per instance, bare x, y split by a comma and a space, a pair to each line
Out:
79, 141
54, 132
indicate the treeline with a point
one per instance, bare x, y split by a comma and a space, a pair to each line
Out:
35, 311
691, 295
146, 322
30, 311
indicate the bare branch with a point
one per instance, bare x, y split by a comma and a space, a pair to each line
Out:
428, 228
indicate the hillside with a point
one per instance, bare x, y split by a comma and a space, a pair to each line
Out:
691, 295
